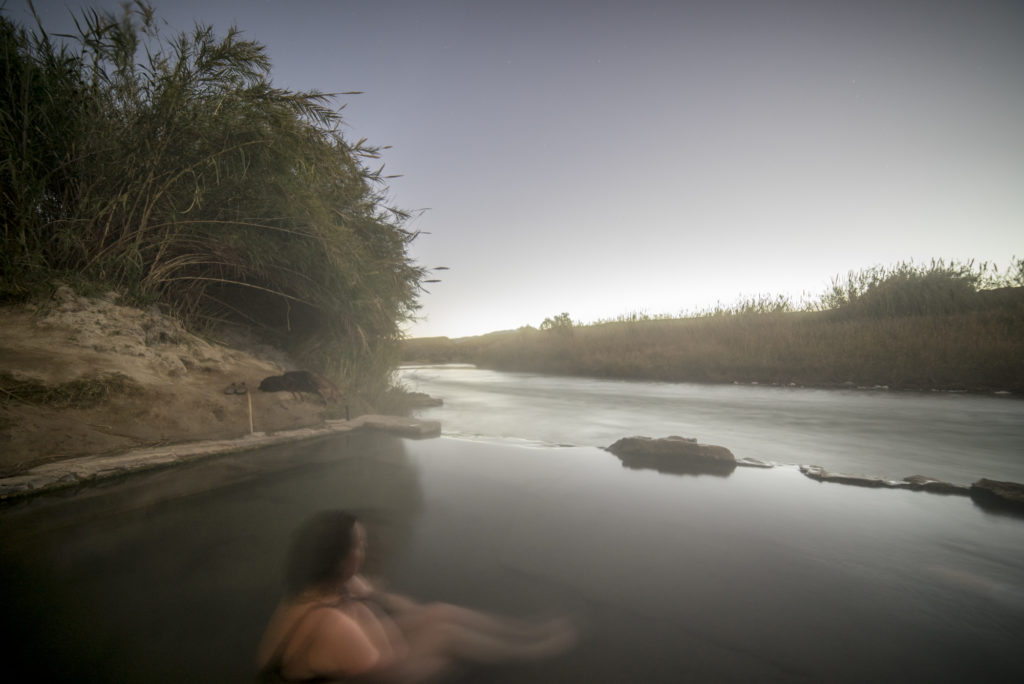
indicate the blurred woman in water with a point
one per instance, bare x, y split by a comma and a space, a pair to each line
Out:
333, 623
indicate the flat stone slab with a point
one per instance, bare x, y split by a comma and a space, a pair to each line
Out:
821, 475
914, 482
76, 471
406, 427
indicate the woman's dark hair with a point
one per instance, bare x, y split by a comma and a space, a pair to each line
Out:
318, 548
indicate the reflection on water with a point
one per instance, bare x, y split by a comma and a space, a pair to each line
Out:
763, 576
953, 437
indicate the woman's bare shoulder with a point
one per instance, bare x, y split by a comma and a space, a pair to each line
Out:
339, 645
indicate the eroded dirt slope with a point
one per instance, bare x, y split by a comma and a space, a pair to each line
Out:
176, 383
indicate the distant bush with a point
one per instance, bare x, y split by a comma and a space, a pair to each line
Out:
172, 171
561, 323
908, 289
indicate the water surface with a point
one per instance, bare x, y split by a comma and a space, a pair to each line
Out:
763, 575
956, 437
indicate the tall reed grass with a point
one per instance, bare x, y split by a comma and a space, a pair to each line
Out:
171, 170
905, 327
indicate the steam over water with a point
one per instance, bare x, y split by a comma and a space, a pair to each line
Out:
761, 576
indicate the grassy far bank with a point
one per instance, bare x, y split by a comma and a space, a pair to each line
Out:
169, 170
941, 326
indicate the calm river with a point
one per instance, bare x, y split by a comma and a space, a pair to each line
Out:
954, 437
762, 576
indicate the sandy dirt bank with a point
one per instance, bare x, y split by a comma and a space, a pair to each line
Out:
162, 385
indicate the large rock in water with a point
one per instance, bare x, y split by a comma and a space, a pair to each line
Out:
676, 455
998, 496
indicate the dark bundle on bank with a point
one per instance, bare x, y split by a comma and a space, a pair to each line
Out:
301, 381
172, 171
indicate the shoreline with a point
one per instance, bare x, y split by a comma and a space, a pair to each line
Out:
86, 471
69, 473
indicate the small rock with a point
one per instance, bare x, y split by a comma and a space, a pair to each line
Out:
930, 484
997, 495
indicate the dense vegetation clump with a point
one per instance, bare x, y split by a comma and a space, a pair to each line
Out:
172, 171
908, 289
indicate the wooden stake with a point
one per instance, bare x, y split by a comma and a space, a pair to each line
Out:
249, 397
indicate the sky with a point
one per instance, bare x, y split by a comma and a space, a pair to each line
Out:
647, 156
